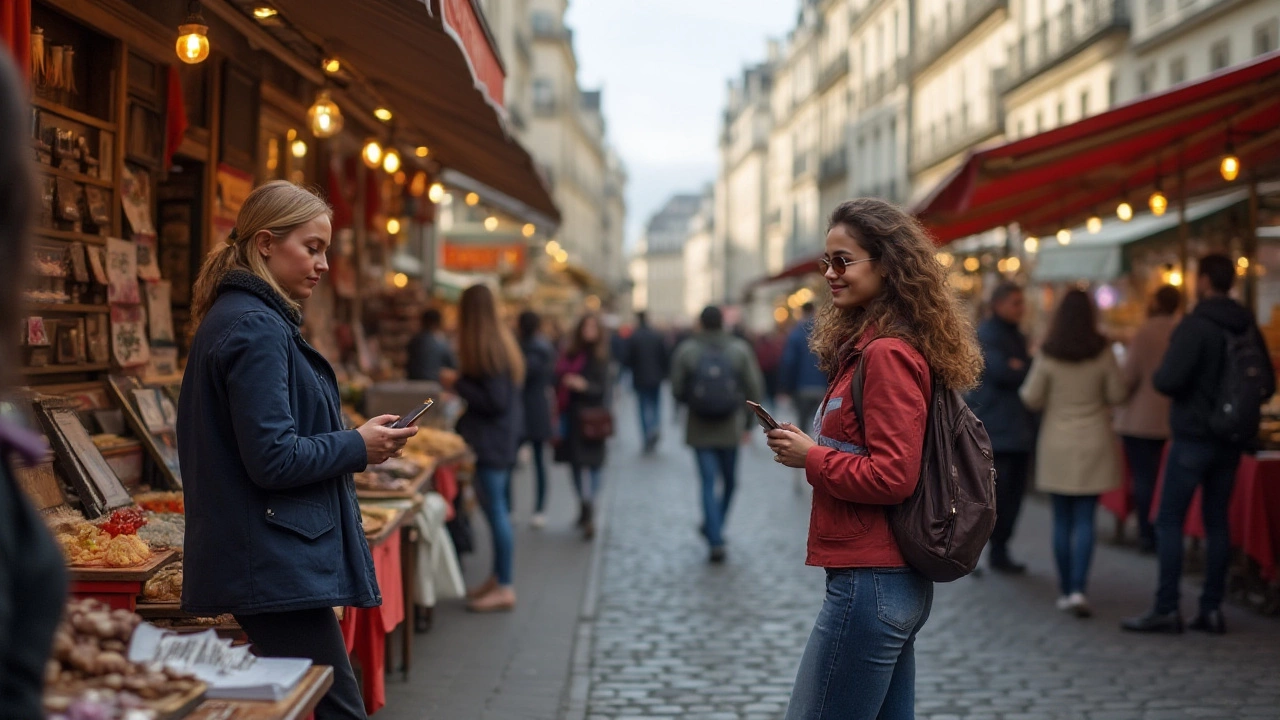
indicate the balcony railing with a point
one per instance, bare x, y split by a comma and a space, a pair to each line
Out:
932, 42
834, 166
884, 82
958, 134
833, 71
800, 165
1076, 26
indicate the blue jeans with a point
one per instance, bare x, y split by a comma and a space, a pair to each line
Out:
1073, 539
860, 663
539, 474
713, 462
1192, 464
491, 491
587, 491
648, 402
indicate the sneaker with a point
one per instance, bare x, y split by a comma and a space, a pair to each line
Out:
1080, 605
538, 521
718, 554
1064, 603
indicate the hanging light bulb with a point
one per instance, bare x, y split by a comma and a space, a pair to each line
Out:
382, 114
400, 280
331, 65
1124, 211
422, 151
298, 148
1158, 202
372, 154
1064, 236
435, 193
1230, 165
393, 226
528, 230
324, 117
418, 186
265, 12
193, 36
1031, 244
391, 161
1093, 224
972, 264
1012, 265
473, 199
491, 223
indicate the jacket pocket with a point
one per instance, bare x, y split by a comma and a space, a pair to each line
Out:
836, 519
303, 517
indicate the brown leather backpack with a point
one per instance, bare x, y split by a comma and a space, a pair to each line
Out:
942, 528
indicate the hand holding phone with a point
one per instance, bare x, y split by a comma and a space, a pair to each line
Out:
412, 416
763, 417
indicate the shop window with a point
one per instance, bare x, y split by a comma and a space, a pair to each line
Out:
1266, 37
1220, 54
1177, 70
239, 117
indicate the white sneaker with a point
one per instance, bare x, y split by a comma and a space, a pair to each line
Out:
538, 521
1064, 603
1080, 605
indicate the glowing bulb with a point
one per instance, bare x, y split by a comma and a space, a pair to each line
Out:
472, 199
1175, 278
382, 114
1031, 244
491, 223
391, 161
262, 12
435, 192
1124, 211
1230, 167
372, 154
418, 187
332, 65
298, 148
193, 43
780, 315
1093, 224
401, 178
945, 259
1064, 237
972, 264
422, 151
400, 280
393, 226
553, 247
1013, 264
1243, 262
1159, 203
324, 117
528, 230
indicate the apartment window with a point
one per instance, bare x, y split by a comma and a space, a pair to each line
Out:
1112, 85
1147, 80
1039, 122
1220, 54
1021, 130
543, 93
1266, 37
543, 21
1062, 114
1177, 70
1084, 103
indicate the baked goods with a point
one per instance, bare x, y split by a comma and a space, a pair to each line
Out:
436, 443
375, 518
89, 546
161, 502
166, 585
374, 480
164, 531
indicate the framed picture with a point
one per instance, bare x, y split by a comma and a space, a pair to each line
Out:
71, 343
152, 416
37, 333
80, 461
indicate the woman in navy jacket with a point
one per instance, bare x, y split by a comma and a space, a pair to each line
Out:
273, 529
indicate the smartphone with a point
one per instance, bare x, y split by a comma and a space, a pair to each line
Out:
409, 418
763, 417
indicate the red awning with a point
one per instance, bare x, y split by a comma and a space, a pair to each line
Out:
1061, 177
796, 269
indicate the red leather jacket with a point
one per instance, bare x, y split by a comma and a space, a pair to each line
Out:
856, 472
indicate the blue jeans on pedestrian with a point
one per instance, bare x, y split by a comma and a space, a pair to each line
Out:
587, 491
1073, 539
860, 663
713, 463
1212, 467
648, 402
539, 474
491, 490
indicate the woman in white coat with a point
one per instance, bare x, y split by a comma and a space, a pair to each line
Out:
1075, 381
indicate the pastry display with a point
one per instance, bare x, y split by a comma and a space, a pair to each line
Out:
166, 585
373, 480
375, 518
161, 502
164, 531
89, 546
194, 622
436, 443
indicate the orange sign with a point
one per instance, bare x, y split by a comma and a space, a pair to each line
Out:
466, 257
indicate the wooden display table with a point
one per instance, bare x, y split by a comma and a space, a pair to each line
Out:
297, 706
117, 587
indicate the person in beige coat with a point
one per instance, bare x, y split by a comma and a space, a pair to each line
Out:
1143, 422
1074, 382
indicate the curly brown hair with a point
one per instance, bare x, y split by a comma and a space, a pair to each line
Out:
916, 305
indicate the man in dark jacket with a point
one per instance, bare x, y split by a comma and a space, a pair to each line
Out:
1009, 424
429, 351
647, 358
1191, 374
800, 377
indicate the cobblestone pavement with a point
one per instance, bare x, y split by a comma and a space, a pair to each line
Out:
672, 636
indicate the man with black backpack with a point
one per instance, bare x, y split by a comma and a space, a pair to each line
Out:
714, 373
1218, 372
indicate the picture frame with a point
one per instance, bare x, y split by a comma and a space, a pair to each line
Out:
71, 343
151, 414
79, 460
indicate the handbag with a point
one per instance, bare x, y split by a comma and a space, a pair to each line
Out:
596, 423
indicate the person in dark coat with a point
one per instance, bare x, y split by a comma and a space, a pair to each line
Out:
429, 350
1010, 425
1191, 375
582, 381
33, 581
647, 357
273, 528
539, 387
490, 379
800, 377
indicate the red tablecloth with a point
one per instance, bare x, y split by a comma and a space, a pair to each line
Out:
365, 629
1255, 508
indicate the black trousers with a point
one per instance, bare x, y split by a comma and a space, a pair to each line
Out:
1011, 487
1144, 462
312, 634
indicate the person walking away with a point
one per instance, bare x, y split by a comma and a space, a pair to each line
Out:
769, 347
429, 350
800, 376
1009, 424
886, 286
273, 528
539, 384
1074, 382
1143, 422
714, 374
647, 357
1218, 373
582, 376
491, 374
33, 578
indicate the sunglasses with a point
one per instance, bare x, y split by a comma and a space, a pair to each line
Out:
840, 263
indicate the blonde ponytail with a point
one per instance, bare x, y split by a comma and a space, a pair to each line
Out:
276, 207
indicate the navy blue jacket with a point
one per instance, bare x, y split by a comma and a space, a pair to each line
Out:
539, 388
1010, 425
272, 519
494, 421
799, 365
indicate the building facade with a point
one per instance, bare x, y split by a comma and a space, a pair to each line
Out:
658, 269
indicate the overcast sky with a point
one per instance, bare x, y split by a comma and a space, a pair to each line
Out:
663, 66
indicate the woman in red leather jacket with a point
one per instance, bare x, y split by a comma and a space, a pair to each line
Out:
886, 285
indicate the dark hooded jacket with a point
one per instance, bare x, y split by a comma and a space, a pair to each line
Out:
1192, 368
